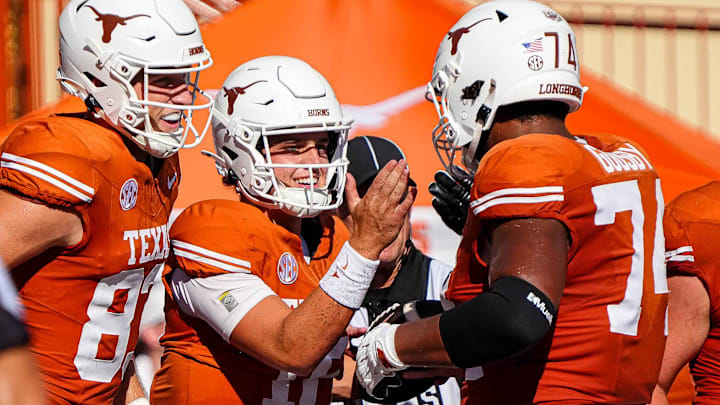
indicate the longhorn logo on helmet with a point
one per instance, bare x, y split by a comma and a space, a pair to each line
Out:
232, 94
111, 21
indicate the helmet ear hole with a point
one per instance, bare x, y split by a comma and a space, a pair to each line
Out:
483, 114
94, 80
232, 155
246, 134
259, 183
128, 116
473, 91
123, 69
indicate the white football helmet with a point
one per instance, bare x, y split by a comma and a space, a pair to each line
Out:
105, 44
275, 96
498, 53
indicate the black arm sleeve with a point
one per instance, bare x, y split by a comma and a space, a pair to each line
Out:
509, 319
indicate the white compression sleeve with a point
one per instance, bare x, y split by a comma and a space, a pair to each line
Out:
221, 301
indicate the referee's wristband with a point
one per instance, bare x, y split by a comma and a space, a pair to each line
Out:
349, 277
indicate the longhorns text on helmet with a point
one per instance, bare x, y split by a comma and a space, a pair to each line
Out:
498, 53
106, 46
274, 96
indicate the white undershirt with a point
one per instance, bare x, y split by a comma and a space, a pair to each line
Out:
222, 301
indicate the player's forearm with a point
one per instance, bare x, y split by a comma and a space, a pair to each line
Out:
135, 391
497, 324
297, 340
294, 340
659, 396
310, 331
420, 343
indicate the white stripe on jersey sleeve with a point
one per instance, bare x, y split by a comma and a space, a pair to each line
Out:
517, 191
202, 255
57, 183
57, 173
681, 258
221, 300
682, 249
681, 254
518, 200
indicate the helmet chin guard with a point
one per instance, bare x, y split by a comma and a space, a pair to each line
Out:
279, 96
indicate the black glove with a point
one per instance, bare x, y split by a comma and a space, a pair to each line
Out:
451, 199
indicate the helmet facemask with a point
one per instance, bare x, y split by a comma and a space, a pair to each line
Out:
451, 139
136, 119
269, 191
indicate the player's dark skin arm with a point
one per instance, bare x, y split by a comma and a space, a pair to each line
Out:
532, 249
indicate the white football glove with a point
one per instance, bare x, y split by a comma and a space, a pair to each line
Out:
377, 359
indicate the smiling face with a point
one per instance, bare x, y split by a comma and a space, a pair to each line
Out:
168, 89
307, 148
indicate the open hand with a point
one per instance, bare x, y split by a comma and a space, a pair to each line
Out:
378, 217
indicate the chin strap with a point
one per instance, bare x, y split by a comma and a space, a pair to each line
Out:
92, 105
219, 162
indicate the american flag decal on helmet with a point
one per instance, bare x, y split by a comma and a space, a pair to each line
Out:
533, 46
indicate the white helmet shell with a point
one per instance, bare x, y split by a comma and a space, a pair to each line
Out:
275, 96
499, 53
105, 44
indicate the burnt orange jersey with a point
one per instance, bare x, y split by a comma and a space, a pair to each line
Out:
199, 366
83, 303
607, 342
692, 232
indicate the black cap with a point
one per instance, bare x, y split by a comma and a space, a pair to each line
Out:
368, 155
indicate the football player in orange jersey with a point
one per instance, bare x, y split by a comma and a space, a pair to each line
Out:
692, 238
560, 285
259, 291
86, 197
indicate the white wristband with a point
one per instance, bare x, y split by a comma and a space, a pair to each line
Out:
140, 401
349, 277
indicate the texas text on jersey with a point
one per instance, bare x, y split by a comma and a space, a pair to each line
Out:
607, 194
217, 237
88, 296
